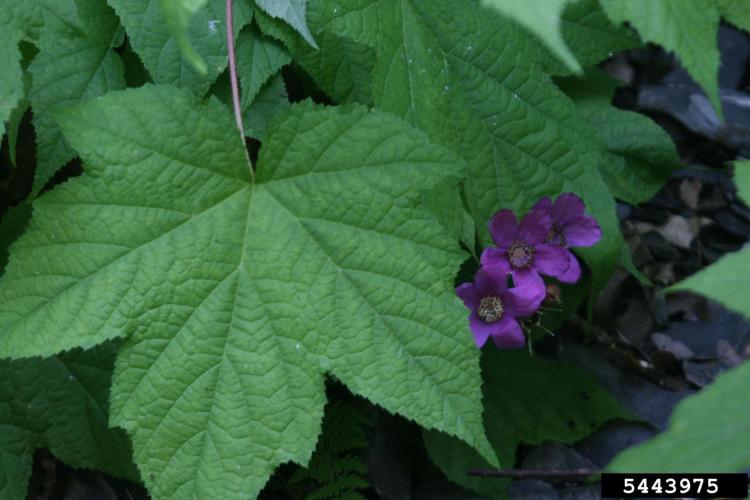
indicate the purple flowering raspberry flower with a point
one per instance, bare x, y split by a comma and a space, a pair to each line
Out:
522, 249
495, 307
570, 227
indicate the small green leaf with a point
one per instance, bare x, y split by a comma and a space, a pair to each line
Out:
591, 35
444, 200
640, 154
67, 69
177, 14
342, 67
12, 225
11, 76
541, 17
152, 37
687, 27
735, 12
708, 432
258, 59
59, 403
527, 400
271, 101
291, 11
238, 297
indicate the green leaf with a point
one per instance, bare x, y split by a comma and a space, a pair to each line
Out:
59, 403
291, 11
735, 12
11, 76
527, 400
258, 59
341, 67
591, 35
541, 17
68, 69
687, 27
471, 81
444, 200
177, 14
272, 100
12, 225
237, 297
62, 14
708, 432
641, 155
726, 280
153, 40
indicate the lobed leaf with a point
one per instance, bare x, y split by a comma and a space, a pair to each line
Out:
238, 297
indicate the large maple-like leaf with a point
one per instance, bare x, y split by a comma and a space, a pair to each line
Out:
239, 295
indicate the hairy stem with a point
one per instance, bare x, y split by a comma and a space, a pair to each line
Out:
233, 80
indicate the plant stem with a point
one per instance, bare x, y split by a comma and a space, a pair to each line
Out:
564, 475
233, 80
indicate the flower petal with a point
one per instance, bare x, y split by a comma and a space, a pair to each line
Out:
523, 300
491, 280
495, 258
573, 273
469, 294
567, 207
582, 232
524, 278
507, 334
479, 329
551, 259
544, 204
534, 227
504, 228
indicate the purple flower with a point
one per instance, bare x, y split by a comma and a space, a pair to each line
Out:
494, 308
570, 227
522, 249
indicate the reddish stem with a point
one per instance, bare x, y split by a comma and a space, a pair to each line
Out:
233, 79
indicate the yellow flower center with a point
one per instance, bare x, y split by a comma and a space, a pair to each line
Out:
490, 309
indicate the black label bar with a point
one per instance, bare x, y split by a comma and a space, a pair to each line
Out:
674, 485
